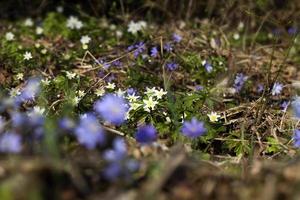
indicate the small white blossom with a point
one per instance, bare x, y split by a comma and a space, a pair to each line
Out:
85, 39
132, 98
28, 22
120, 92
80, 93
38, 110
159, 93
74, 23
213, 116
135, 106
134, 27
110, 86
9, 36
100, 92
150, 91
70, 75
45, 81
20, 76
14, 92
76, 100
27, 55
236, 36
39, 30
149, 104
119, 34
59, 9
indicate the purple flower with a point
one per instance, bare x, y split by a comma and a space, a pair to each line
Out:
208, 67
176, 38
10, 143
89, 132
112, 109
118, 152
277, 88
171, 66
146, 134
168, 47
260, 88
284, 105
154, 52
131, 91
113, 171
198, 87
193, 128
30, 90
117, 63
296, 138
296, 107
292, 30
140, 48
239, 81
103, 63
66, 124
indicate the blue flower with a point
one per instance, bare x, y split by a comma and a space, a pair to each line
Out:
118, 152
296, 138
199, 87
296, 107
277, 88
140, 48
66, 124
113, 171
10, 143
30, 90
176, 38
168, 47
154, 52
112, 109
239, 81
131, 91
102, 62
193, 128
260, 88
89, 132
117, 63
146, 134
284, 105
208, 67
171, 66
292, 30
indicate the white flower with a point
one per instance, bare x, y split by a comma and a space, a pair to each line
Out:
80, 93
27, 55
38, 110
236, 36
135, 106
45, 81
70, 75
110, 86
100, 92
213, 116
20, 76
149, 104
74, 23
134, 27
132, 98
14, 92
76, 100
44, 51
85, 39
241, 26
59, 9
120, 92
150, 91
28, 22
119, 34
203, 62
39, 30
159, 93
9, 36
